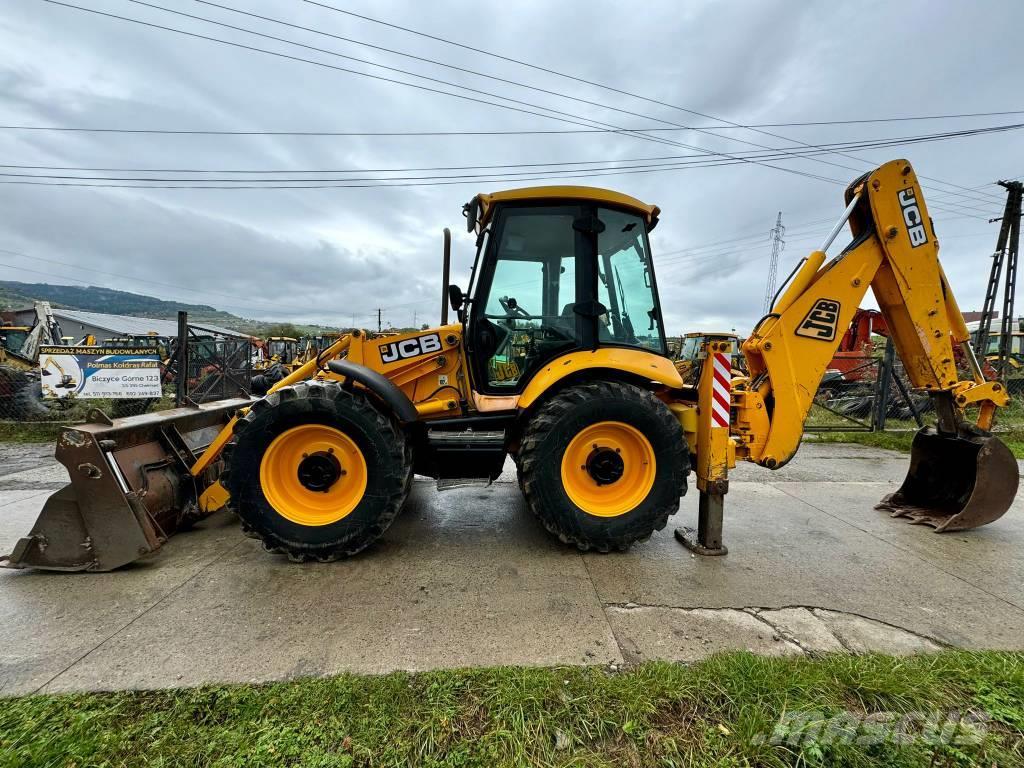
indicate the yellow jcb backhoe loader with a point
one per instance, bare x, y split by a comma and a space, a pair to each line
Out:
558, 359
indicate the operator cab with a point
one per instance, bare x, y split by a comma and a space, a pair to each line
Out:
558, 269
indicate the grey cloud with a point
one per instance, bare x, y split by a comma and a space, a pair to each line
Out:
333, 252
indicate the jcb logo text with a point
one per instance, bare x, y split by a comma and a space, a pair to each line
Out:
912, 217
414, 347
821, 322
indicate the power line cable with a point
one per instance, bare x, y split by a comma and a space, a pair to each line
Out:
603, 86
811, 149
371, 185
612, 128
575, 120
695, 161
447, 65
522, 132
461, 69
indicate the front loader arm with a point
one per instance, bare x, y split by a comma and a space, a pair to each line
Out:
895, 253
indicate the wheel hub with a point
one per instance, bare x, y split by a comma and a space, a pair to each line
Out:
608, 468
319, 471
605, 465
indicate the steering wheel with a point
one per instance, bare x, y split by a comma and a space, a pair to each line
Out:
511, 311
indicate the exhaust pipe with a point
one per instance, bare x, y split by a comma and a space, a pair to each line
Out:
130, 489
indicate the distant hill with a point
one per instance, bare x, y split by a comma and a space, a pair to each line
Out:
16, 295
96, 299
11, 298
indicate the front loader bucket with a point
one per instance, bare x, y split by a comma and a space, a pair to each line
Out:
130, 489
955, 482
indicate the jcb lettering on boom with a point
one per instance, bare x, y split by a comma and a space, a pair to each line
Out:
821, 321
414, 347
912, 218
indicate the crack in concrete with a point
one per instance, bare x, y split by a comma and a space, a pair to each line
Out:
611, 630
597, 595
785, 634
755, 611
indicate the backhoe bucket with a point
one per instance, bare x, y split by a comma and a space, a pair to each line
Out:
130, 489
955, 482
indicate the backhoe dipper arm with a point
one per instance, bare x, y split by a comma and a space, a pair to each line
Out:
960, 476
895, 252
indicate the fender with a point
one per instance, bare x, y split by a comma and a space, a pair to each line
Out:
381, 386
646, 365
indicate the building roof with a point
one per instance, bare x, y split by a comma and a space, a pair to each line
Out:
127, 325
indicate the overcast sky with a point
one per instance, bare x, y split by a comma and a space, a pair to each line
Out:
328, 255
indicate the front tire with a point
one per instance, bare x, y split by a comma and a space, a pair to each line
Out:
603, 465
317, 472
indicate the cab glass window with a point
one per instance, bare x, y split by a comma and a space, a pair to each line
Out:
529, 315
625, 283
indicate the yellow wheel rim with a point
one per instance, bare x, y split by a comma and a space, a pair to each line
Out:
313, 475
608, 468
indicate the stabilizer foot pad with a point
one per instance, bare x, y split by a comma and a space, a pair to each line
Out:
688, 538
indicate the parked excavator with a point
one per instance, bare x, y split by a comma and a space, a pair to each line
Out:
692, 350
557, 358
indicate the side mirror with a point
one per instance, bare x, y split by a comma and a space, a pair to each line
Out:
471, 211
456, 297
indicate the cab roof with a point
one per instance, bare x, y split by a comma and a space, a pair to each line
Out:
565, 194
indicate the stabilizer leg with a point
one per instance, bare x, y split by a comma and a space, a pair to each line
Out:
715, 452
707, 539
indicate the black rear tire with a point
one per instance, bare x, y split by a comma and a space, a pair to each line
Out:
547, 436
378, 437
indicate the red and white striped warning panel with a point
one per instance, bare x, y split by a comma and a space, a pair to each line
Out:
720, 391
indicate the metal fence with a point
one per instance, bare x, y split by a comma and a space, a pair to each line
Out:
216, 368
867, 393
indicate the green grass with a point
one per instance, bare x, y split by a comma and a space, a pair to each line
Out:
721, 712
1009, 427
900, 441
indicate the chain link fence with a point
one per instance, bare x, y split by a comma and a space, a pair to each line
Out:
868, 393
34, 395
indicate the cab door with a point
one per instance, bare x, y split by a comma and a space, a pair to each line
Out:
523, 312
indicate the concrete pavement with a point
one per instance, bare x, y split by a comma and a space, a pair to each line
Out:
467, 577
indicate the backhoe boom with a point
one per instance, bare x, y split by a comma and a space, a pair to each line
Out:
960, 476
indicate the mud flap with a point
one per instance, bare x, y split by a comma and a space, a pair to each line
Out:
955, 482
130, 489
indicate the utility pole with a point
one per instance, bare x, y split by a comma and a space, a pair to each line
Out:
414, 319
778, 246
379, 310
1007, 247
